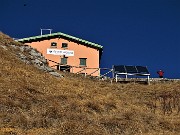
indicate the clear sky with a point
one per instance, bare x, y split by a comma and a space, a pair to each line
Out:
133, 32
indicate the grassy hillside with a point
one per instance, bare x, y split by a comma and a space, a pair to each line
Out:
35, 103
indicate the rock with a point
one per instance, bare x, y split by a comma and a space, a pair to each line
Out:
22, 56
4, 47
55, 74
34, 58
48, 69
35, 53
36, 61
21, 48
26, 47
44, 60
14, 46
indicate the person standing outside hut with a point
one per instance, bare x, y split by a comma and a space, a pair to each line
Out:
160, 73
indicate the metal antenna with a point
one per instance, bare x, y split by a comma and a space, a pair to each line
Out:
50, 30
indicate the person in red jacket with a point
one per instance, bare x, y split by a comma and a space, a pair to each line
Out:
160, 73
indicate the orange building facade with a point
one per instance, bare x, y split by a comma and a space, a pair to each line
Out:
67, 52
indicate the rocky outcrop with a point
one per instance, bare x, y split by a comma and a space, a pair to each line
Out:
30, 55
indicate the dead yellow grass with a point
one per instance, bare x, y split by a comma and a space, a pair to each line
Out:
33, 102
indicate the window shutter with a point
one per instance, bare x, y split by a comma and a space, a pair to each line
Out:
64, 45
82, 61
64, 61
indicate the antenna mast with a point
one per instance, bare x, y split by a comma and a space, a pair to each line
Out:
50, 30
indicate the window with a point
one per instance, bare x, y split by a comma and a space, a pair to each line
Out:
64, 60
54, 44
64, 45
82, 61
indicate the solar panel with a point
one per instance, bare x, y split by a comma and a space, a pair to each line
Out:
131, 69
142, 70
120, 69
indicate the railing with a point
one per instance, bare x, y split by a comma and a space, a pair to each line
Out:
101, 76
83, 69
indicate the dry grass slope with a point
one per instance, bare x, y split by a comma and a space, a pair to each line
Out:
35, 103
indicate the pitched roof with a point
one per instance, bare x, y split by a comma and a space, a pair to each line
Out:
60, 35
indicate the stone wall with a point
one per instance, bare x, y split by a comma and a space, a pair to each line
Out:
30, 55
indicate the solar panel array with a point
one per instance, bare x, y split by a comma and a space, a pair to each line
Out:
131, 69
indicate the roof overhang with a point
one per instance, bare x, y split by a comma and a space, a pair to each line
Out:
60, 35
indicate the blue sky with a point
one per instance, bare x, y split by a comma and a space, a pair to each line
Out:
133, 32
